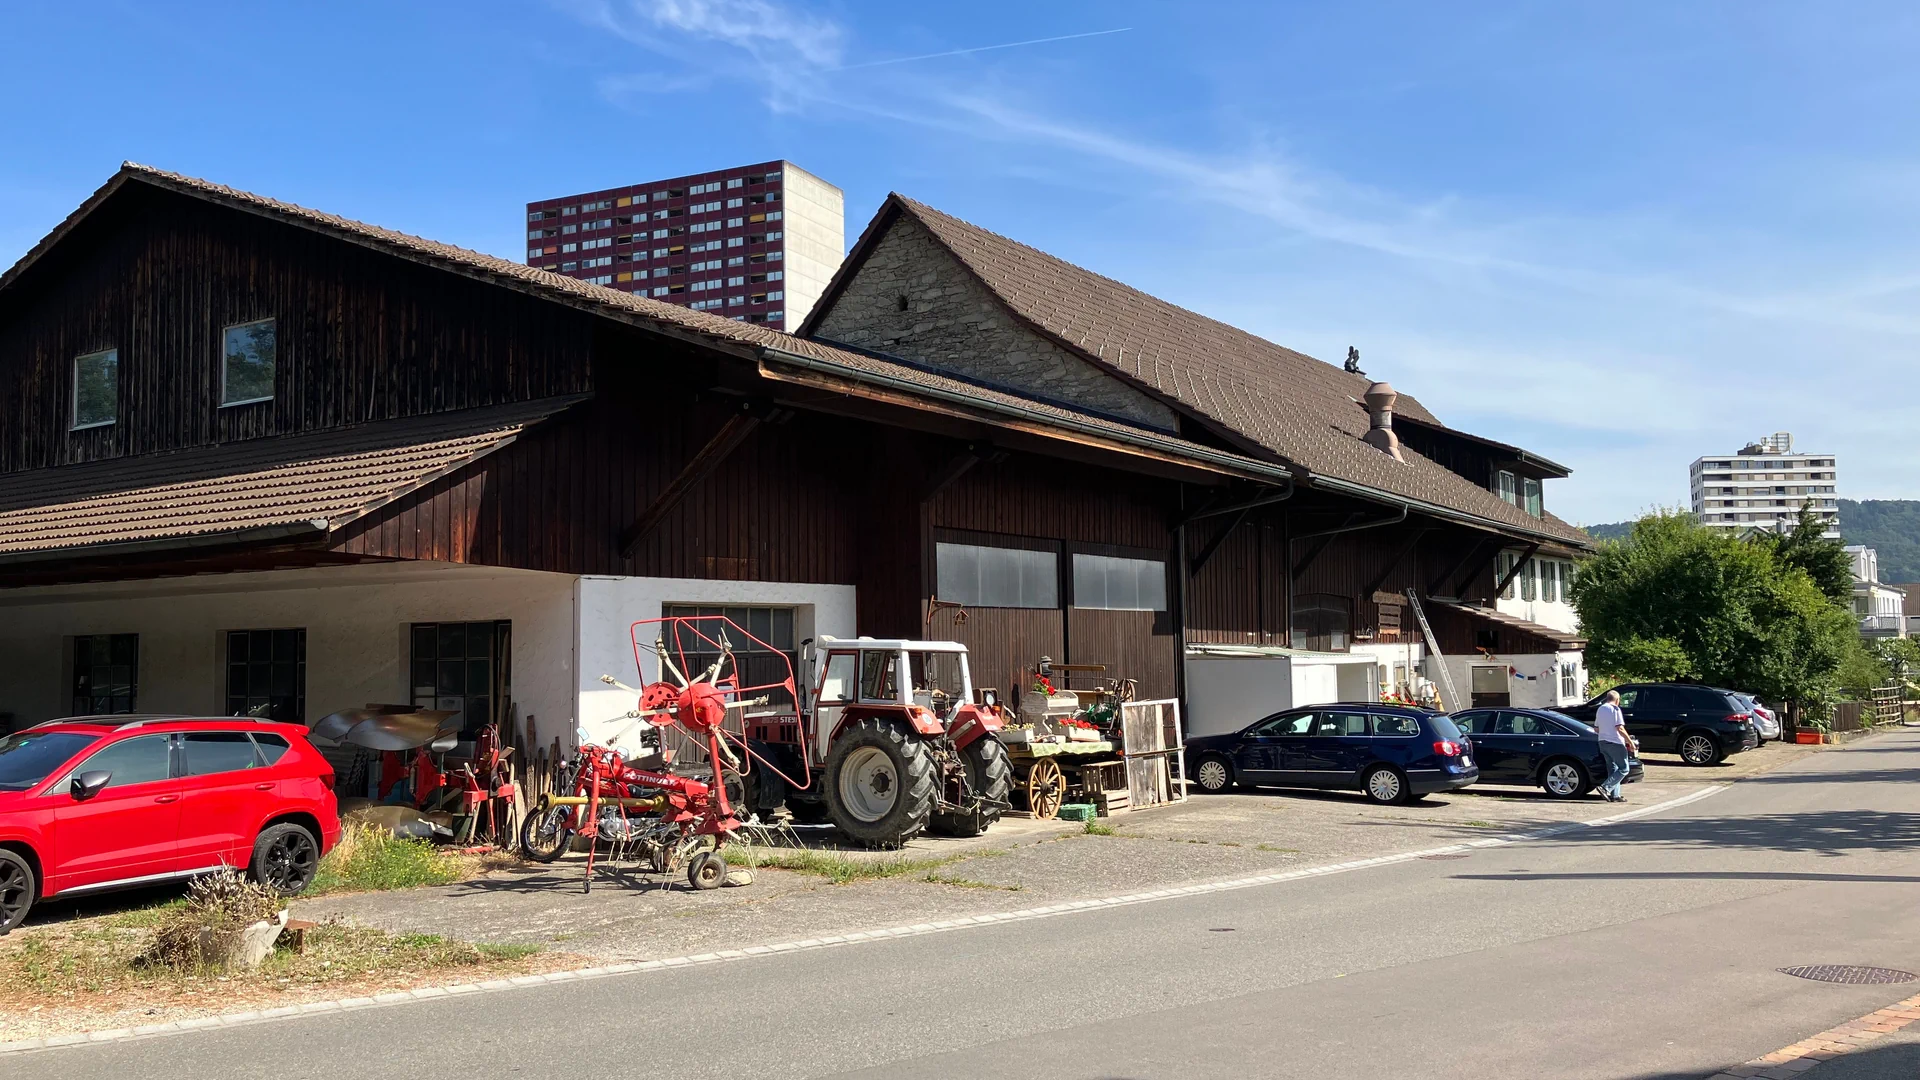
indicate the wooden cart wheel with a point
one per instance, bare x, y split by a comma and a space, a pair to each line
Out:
1046, 789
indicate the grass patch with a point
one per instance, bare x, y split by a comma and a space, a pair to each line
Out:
1280, 850
90, 962
971, 883
836, 867
370, 859
1094, 828
1479, 824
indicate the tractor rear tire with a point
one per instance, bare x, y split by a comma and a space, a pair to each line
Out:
990, 777
879, 783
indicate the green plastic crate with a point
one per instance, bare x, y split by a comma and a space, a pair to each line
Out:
1077, 811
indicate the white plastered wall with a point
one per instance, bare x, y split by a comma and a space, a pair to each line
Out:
609, 606
356, 617
1542, 692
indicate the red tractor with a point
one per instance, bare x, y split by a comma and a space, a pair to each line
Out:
886, 742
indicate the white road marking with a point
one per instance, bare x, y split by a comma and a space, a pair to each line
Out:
1066, 907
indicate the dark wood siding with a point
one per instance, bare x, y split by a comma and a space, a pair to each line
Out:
360, 336
780, 508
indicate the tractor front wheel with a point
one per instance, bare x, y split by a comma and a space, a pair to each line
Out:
989, 779
879, 783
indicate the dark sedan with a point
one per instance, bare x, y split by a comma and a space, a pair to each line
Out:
1538, 748
1392, 753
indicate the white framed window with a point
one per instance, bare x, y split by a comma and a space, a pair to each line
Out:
1569, 679
1531, 490
981, 576
1550, 582
1116, 584
1527, 587
1505, 487
1503, 563
246, 369
96, 389
736, 241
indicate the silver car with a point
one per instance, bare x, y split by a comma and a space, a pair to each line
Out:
1765, 723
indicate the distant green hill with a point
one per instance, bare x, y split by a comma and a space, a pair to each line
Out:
1890, 527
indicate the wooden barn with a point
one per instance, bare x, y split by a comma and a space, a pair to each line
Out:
253, 454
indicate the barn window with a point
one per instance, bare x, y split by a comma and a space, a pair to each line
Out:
267, 674
1115, 584
96, 388
106, 673
979, 576
1322, 622
246, 374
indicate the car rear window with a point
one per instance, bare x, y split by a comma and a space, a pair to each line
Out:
210, 752
26, 758
272, 747
1443, 726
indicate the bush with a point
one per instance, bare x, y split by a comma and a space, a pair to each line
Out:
219, 906
371, 859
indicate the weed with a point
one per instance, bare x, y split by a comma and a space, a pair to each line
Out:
369, 859
1280, 850
971, 883
1094, 828
1479, 824
834, 866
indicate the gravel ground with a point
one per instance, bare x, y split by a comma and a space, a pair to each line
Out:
1019, 863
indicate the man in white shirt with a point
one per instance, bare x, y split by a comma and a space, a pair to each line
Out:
1615, 744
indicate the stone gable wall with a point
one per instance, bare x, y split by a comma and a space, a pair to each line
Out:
953, 323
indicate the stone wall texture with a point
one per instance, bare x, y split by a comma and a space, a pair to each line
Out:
953, 323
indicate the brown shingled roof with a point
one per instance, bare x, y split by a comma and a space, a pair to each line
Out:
1304, 410
318, 481
1141, 337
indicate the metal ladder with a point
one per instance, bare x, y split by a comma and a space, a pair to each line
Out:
1451, 699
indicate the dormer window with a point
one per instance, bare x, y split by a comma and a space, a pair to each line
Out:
246, 370
96, 389
1505, 486
1531, 497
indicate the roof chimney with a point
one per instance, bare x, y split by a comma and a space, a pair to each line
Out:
1380, 399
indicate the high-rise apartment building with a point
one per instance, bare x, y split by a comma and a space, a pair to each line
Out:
1763, 486
757, 243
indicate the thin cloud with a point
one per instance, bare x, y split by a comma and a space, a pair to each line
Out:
981, 49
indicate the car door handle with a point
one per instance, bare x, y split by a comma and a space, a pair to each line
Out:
166, 798
263, 787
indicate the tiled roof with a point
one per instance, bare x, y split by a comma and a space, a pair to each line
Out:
1144, 338
321, 480
1303, 410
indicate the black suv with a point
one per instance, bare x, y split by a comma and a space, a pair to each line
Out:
1700, 723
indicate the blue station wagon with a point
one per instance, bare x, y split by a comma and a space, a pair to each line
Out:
1392, 753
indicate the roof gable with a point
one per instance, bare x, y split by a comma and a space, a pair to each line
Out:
1284, 402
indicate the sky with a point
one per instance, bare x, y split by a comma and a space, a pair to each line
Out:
1621, 234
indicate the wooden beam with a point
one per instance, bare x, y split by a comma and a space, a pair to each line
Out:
1437, 586
1514, 570
953, 470
724, 442
1213, 545
1319, 546
1406, 549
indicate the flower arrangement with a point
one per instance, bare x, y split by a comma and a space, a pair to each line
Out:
1043, 685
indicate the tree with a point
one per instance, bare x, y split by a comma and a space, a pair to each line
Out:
1675, 600
1825, 561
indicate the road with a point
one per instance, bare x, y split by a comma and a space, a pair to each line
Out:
1645, 949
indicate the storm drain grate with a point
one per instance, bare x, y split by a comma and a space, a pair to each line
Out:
1438, 858
1849, 974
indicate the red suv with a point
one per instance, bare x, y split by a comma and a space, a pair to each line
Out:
109, 802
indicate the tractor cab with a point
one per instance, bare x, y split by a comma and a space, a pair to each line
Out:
928, 681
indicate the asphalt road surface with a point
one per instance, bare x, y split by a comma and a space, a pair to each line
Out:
1627, 952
